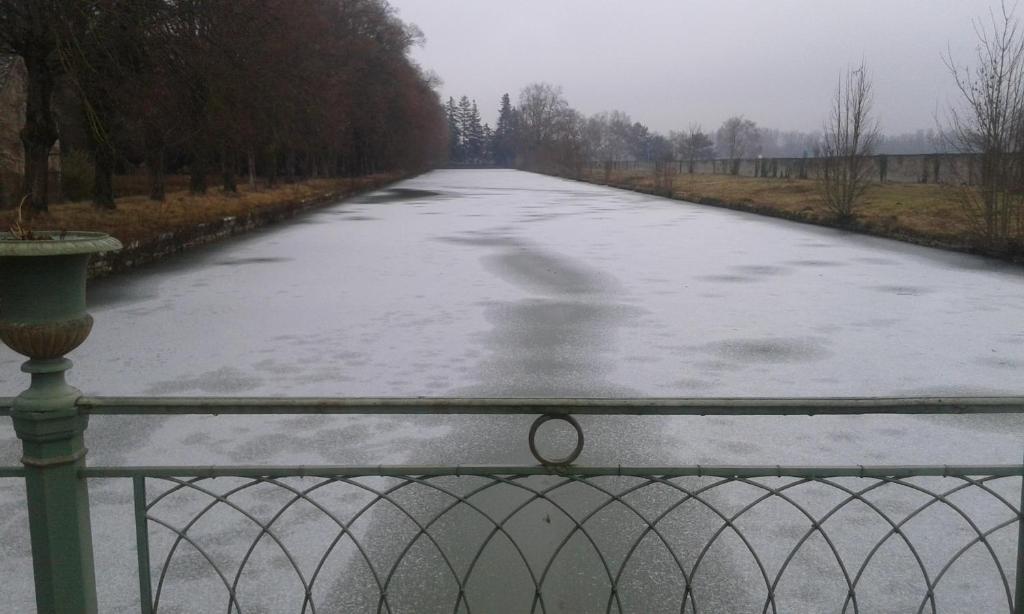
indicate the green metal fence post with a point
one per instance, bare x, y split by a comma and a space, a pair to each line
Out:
51, 429
142, 545
43, 317
1018, 596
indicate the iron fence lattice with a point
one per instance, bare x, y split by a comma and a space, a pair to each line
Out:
613, 543
558, 537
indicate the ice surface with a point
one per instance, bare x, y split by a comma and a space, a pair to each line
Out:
504, 283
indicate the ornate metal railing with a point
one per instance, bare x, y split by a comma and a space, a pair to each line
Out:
549, 537
528, 538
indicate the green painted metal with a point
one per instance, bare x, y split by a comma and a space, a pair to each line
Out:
606, 498
43, 292
1018, 595
57, 243
142, 545
725, 471
576, 406
51, 431
744, 406
44, 317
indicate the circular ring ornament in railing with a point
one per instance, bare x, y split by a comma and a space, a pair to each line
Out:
556, 461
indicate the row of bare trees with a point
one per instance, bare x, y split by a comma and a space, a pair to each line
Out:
986, 122
990, 123
271, 87
547, 134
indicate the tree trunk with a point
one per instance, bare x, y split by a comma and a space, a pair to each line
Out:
227, 168
155, 163
272, 168
289, 166
39, 133
103, 177
250, 158
154, 144
197, 175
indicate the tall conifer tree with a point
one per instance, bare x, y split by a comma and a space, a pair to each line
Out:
504, 134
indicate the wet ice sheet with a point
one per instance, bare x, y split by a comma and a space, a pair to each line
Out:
412, 290
513, 284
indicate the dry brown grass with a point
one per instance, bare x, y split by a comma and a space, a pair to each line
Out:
922, 212
138, 219
136, 185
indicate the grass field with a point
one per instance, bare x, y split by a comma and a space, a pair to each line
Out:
922, 213
137, 219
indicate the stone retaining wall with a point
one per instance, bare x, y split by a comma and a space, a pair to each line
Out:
138, 253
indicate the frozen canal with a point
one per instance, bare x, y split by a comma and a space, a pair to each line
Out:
504, 283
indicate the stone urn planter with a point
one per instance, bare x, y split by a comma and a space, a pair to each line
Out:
43, 317
42, 290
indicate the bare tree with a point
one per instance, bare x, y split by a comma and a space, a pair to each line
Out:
737, 138
608, 135
542, 108
664, 177
851, 134
26, 29
544, 117
692, 145
989, 122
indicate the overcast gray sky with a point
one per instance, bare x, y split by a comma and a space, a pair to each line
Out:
671, 62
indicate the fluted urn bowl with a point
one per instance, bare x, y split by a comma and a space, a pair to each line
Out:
42, 290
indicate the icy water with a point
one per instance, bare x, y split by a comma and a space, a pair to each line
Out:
504, 283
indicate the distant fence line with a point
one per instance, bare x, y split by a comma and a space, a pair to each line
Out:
944, 168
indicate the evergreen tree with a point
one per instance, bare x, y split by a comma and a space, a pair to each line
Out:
488, 145
455, 149
504, 134
465, 118
475, 144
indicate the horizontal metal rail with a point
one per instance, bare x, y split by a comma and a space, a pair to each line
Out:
746, 406
725, 471
729, 471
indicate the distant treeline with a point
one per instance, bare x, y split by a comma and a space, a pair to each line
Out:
275, 88
544, 127
962, 169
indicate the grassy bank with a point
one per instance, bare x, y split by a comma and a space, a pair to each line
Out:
152, 230
139, 220
925, 214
